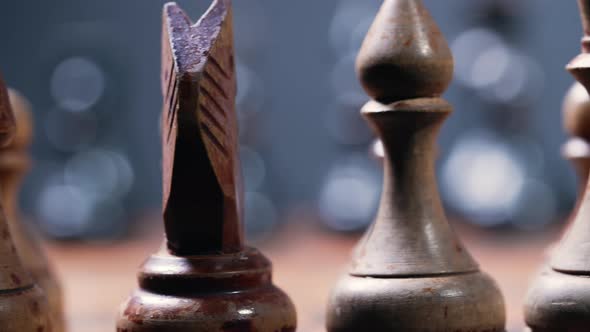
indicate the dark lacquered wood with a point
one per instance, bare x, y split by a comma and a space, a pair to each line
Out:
202, 196
14, 164
23, 306
410, 272
204, 278
559, 297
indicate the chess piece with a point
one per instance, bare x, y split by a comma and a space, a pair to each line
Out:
14, 163
410, 272
204, 279
23, 306
559, 297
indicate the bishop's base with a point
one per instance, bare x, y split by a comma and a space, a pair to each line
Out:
462, 302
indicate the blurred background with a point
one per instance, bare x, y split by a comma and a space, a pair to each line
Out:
91, 72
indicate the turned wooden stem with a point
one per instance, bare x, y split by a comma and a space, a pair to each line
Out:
411, 235
409, 181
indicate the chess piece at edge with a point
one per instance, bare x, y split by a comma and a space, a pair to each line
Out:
23, 305
560, 295
14, 164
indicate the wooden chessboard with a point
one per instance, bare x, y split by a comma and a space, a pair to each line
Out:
97, 277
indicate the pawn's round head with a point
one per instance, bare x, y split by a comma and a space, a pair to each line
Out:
404, 56
24, 120
576, 112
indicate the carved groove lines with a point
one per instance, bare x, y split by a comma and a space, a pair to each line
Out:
216, 142
214, 83
219, 68
213, 105
171, 98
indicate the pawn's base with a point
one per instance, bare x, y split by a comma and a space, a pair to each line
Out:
207, 293
558, 302
462, 302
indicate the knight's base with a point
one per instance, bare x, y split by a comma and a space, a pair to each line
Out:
207, 293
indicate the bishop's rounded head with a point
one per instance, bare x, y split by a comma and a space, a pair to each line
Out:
576, 112
404, 55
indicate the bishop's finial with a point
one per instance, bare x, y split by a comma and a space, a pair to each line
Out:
404, 55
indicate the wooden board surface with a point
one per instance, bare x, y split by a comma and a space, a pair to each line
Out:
98, 277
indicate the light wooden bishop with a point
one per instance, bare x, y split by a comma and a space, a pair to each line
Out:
410, 272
